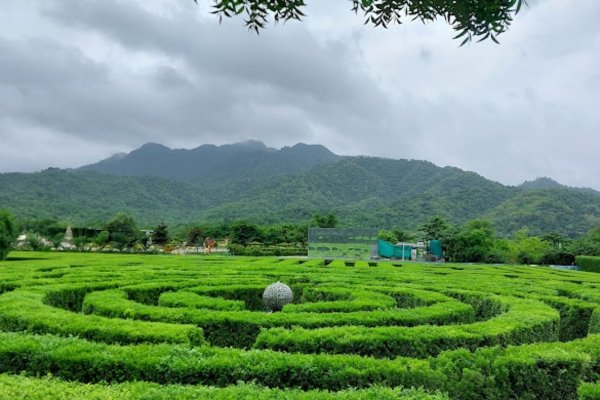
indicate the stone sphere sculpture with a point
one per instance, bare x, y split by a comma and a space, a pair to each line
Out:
277, 295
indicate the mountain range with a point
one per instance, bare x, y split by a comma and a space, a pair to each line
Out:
253, 182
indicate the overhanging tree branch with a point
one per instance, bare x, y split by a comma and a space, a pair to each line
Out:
471, 19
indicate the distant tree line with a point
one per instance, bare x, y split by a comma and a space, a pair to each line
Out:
474, 241
122, 233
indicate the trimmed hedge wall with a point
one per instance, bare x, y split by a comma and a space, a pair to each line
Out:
76, 359
22, 310
16, 387
471, 327
595, 321
193, 300
241, 328
589, 391
526, 321
588, 263
550, 371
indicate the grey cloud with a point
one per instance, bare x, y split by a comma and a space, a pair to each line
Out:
206, 82
288, 59
39, 62
169, 78
113, 75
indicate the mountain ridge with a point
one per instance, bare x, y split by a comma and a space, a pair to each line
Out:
223, 162
250, 181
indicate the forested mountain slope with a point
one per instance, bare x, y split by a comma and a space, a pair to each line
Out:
253, 182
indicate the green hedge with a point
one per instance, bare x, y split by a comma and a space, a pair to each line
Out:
347, 300
239, 250
344, 298
61, 283
6, 287
241, 328
588, 263
24, 311
16, 387
250, 294
411, 297
524, 372
149, 293
76, 359
594, 326
526, 321
550, 371
575, 316
193, 300
589, 391
70, 296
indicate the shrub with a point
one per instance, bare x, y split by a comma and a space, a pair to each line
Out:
589, 391
16, 387
594, 326
8, 233
525, 322
24, 311
588, 263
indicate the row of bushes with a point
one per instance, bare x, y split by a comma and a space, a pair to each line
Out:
248, 292
17, 387
193, 300
537, 371
588, 263
595, 321
384, 295
241, 328
525, 321
240, 250
22, 310
575, 316
339, 299
543, 371
76, 359
589, 391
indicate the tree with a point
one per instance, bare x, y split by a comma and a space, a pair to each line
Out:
79, 242
35, 242
8, 233
102, 238
527, 249
324, 221
57, 240
195, 236
435, 228
244, 233
479, 19
588, 245
123, 230
122, 223
402, 235
554, 238
474, 242
388, 236
161, 234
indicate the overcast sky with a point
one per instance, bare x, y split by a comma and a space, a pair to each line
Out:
81, 80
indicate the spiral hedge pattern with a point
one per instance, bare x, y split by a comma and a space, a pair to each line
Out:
153, 327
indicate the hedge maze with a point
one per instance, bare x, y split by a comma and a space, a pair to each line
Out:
162, 327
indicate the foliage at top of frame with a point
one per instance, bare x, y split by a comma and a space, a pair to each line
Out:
471, 19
